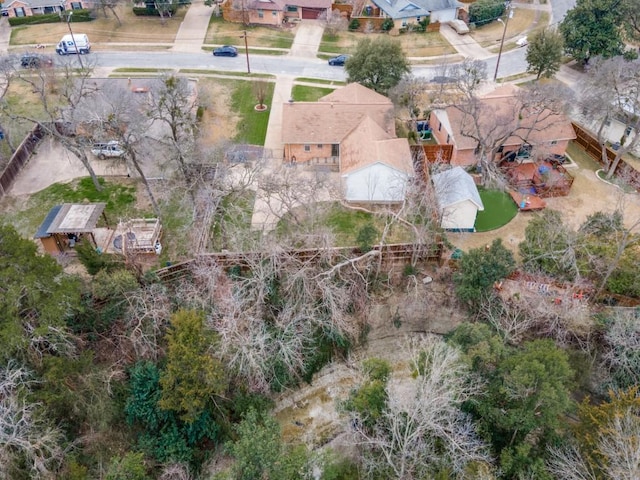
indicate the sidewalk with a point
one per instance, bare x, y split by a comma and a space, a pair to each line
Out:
193, 29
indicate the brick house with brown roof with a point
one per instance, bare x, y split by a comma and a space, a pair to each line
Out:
273, 12
501, 115
28, 8
351, 131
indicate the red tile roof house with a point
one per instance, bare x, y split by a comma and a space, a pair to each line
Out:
501, 118
351, 131
273, 12
28, 8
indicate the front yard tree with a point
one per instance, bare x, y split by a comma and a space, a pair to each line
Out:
593, 28
334, 22
378, 64
631, 16
544, 53
173, 103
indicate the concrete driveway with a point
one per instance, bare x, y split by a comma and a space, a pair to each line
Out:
307, 39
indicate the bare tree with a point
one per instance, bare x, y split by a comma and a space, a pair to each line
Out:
72, 85
260, 91
118, 114
110, 5
333, 21
24, 438
148, 313
173, 102
490, 124
612, 90
422, 428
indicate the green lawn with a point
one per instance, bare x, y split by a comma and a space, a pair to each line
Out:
499, 209
303, 93
252, 127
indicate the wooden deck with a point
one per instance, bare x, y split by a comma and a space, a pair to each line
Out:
527, 201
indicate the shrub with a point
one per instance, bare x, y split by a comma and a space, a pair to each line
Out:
78, 16
485, 11
387, 25
354, 24
151, 12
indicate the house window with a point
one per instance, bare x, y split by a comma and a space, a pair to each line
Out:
274, 13
319, 145
439, 126
335, 150
49, 10
19, 11
554, 142
448, 138
260, 13
418, 19
627, 131
307, 148
76, 6
607, 122
404, 23
292, 8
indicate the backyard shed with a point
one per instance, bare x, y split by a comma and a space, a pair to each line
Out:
458, 199
67, 224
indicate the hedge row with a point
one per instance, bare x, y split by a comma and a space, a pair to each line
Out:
151, 12
83, 15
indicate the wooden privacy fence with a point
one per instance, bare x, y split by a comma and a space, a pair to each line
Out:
589, 142
20, 158
388, 253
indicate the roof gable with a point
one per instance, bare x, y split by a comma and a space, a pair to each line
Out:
454, 186
329, 120
499, 112
354, 93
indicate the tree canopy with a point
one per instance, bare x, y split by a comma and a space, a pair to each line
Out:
378, 64
36, 297
480, 268
544, 53
592, 28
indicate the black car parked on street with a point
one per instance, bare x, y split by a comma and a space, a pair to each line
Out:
338, 61
225, 51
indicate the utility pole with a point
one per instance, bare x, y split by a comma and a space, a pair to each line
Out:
75, 45
504, 32
246, 50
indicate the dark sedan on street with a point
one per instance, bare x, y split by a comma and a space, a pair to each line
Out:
225, 51
339, 60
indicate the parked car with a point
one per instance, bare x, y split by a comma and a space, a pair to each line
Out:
33, 60
338, 61
110, 149
522, 41
459, 26
225, 51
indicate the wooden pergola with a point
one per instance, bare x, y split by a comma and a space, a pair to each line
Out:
67, 224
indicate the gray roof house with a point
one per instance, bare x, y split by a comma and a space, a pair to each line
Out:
458, 199
413, 11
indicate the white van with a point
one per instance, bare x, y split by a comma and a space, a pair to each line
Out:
78, 43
